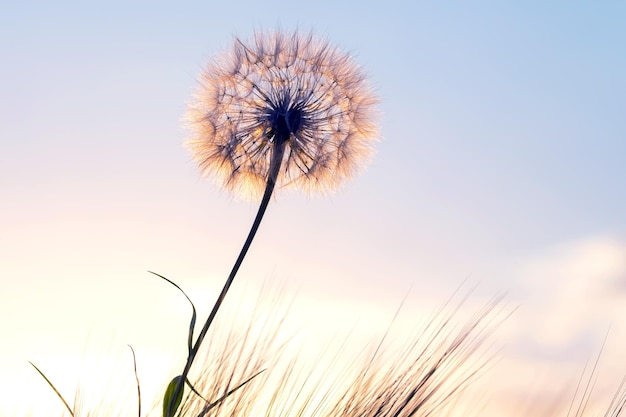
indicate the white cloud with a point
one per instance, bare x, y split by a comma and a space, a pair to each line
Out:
574, 290
570, 297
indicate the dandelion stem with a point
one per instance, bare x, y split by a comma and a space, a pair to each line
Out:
276, 160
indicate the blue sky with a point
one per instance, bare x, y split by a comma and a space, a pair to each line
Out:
503, 157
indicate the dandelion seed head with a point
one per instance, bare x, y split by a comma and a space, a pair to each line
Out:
282, 89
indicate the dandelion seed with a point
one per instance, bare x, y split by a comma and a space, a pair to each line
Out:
282, 100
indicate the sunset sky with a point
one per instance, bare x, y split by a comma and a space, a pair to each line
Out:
501, 166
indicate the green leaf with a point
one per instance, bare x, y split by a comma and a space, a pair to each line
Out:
192, 323
171, 404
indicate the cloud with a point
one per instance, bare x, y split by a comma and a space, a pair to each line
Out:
570, 296
574, 291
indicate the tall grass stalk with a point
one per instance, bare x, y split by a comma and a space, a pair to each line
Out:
422, 379
254, 357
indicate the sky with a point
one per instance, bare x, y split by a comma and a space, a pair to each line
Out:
501, 167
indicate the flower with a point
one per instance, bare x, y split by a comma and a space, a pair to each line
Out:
291, 101
285, 110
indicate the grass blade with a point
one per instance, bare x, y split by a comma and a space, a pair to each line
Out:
54, 389
192, 323
136, 379
229, 393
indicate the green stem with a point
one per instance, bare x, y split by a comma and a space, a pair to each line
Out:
275, 164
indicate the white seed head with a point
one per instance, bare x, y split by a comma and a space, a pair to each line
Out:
290, 87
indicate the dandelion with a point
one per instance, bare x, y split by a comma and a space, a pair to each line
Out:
284, 110
285, 100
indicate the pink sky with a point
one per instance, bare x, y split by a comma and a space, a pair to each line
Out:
501, 160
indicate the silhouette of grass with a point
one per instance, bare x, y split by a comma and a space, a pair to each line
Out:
433, 368
584, 389
253, 370
580, 403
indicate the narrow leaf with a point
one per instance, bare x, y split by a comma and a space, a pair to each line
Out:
195, 391
136, 379
192, 323
54, 389
208, 408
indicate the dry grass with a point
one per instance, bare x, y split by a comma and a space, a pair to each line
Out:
254, 371
422, 378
